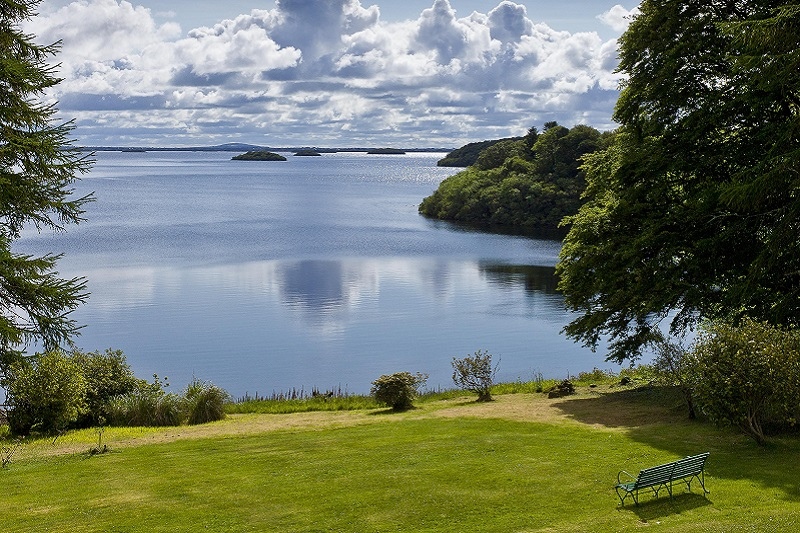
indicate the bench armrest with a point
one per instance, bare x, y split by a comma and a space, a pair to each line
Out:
621, 472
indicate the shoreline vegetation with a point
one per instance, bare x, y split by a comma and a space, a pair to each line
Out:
530, 183
386, 151
244, 147
258, 155
524, 462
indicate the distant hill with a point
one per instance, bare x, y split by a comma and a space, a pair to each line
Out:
243, 147
386, 151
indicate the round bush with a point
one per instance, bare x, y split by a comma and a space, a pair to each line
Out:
748, 376
46, 394
398, 390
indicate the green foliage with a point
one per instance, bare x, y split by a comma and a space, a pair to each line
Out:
671, 367
38, 166
205, 402
398, 390
475, 373
513, 185
303, 405
468, 154
748, 376
595, 377
107, 376
46, 394
495, 155
692, 212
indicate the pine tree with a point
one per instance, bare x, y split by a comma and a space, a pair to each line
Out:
38, 166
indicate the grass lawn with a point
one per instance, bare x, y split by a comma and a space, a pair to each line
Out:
521, 463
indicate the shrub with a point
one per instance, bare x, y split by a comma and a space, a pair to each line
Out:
564, 388
475, 374
108, 376
46, 393
747, 376
205, 402
398, 390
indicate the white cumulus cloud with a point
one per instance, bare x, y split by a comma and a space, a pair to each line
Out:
326, 72
618, 17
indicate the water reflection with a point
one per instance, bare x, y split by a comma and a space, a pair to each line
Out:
534, 278
323, 291
557, 234
315, 285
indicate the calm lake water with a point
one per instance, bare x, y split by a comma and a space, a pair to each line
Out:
315, 272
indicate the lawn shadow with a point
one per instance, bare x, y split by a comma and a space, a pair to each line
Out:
626, 408
390, 411
657, 417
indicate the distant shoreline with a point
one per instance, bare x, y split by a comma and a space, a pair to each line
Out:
235, 147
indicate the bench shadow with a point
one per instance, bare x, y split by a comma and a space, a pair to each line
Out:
649, 510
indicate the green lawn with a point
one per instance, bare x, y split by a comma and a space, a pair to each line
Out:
523, 463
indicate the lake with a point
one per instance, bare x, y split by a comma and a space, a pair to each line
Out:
314, 272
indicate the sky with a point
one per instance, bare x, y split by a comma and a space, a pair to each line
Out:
330, 73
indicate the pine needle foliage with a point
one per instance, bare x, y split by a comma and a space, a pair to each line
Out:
38, 166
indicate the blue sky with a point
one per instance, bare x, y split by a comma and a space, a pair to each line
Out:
409, 73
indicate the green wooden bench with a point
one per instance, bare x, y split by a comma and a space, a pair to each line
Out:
664, 476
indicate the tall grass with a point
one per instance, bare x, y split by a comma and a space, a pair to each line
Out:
204, 402
147, 408
150, 405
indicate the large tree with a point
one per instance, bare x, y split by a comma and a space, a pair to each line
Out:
693, 212
38, 167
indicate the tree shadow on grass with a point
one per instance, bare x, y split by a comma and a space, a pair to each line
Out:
658, 418
626, 408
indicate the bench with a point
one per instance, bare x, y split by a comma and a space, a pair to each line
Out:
660, 477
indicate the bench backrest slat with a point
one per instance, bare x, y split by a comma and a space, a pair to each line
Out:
690, 466
656, 474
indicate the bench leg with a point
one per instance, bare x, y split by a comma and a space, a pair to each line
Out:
624, 496
700, 478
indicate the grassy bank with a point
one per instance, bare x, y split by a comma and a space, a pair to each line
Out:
521, 463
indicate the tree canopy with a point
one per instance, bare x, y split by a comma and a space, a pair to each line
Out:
38, 166
529, 183
468, 154
692, 213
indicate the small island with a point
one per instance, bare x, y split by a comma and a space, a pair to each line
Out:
386, 151
307, 152
258, 155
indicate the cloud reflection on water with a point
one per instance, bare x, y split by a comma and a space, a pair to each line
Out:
323, 293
